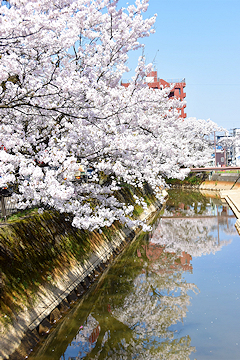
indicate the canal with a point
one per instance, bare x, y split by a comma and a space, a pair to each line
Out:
173, 294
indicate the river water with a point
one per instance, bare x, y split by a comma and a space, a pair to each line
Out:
173, 294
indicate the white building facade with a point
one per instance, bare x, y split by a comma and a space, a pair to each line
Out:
236, 147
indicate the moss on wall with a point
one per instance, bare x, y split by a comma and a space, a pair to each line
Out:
34, 247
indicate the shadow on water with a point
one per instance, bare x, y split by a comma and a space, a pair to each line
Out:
139, 308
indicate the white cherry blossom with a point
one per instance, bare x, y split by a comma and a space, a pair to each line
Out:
62, 105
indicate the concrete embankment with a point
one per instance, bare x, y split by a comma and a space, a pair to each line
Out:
54, 298
228, 186
224, 185
225, 181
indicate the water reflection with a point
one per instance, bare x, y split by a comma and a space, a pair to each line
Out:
133, 313
193, 226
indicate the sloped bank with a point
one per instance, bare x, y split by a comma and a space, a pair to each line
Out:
227, 187
224, 181
45, 266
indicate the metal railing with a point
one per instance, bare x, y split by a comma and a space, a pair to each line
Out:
171, 81
216, 168
174, 81
7, 207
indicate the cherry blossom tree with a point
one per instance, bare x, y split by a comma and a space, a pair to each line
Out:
62, 106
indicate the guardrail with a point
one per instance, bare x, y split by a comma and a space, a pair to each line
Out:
216, 168
175, 81
171, 81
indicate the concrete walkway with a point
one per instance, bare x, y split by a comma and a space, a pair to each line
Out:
232, 197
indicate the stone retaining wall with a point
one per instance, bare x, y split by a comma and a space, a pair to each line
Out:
222, 181
229, 177
54, 299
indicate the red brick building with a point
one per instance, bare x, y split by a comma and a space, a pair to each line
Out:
178, 91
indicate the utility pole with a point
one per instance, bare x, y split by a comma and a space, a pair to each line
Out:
215, 148
225, 154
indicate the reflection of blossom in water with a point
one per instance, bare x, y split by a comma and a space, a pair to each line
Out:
160, 295
166, 352
190, 235
159, 299
230, 231
150, 310
86, 338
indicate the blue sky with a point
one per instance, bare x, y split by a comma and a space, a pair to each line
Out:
198, 40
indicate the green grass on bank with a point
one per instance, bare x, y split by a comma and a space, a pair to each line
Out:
20, 214
35, 247
197, 178
228, 172
191, 179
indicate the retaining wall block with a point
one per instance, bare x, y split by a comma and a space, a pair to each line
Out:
97, 272
102, 266
91, 277
63, 306
79, 290
86, 283
55, 315
72, 297
44, 327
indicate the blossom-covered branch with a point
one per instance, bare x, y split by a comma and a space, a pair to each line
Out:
62, 105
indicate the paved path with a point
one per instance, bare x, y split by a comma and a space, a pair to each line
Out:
232, 197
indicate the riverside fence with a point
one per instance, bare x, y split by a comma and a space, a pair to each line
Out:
7, 206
